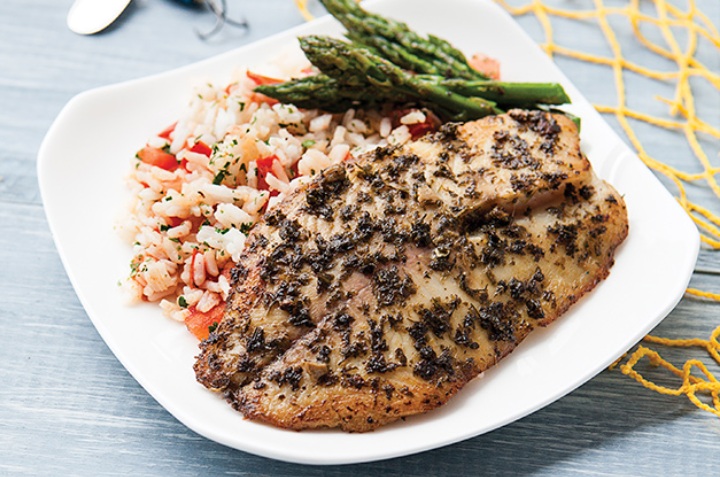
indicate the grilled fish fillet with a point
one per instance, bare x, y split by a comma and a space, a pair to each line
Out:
380, 289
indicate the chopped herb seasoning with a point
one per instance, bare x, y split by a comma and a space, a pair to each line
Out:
217, 180
245, 227
401, 262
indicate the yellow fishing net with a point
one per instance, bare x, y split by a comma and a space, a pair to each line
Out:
676, 26
677, 34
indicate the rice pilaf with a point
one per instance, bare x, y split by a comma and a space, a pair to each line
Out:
199, 186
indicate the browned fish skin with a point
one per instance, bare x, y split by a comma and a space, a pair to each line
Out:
383, 287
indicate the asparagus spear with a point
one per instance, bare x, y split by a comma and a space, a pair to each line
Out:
322, 92
374, 75
352, 66
394, 53
355, 77
509, 94
387, 37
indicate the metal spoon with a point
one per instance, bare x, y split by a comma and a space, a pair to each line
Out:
91, 16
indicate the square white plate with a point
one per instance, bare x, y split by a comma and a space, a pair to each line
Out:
85, 157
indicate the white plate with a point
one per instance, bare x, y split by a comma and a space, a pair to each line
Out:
84, 159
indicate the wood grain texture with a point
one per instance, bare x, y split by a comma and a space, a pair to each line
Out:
68, 407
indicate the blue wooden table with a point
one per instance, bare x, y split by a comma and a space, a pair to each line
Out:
68, 407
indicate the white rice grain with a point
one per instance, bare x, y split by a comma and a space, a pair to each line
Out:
208, 301
385, 127
312, 162
158, 278
179, 231
211, 263
172, 310
399, 136
253, 205
279, 171
339, 152
413, 117
275, 183
229, 215
320, 123
338, 136
197, 265
158, 142
195, 160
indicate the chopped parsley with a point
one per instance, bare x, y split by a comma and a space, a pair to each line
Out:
217, 180
182, 302
213, 327
245, 227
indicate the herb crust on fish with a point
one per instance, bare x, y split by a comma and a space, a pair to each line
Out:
385, 285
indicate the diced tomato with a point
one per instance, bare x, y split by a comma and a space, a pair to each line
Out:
265, 165
158, 158
420, 129
262, 185
165, 134
261, 98
486, 65
199, 322
416, 130
201, 148
174, 221
262, 79
230, 88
